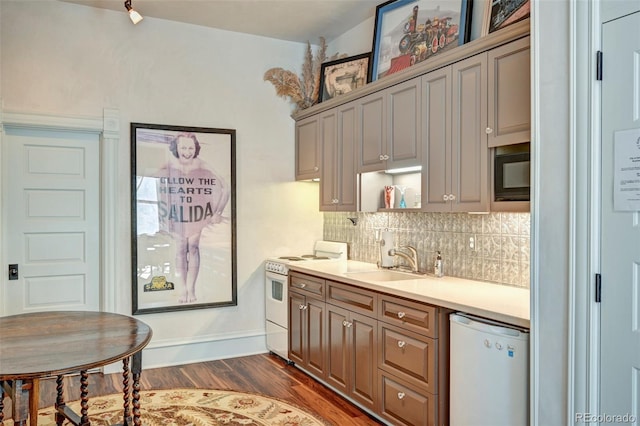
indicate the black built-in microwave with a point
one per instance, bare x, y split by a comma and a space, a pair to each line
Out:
512, 173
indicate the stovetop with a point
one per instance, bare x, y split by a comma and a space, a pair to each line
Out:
323, 251
303, 257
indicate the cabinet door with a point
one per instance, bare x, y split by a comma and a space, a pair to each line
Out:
509, 91
328, 177
352, 349
338, 358
296, 327
315, 337
404, 146
307, 149
346, 185
469, 151
363, 350
436, 135
372, 133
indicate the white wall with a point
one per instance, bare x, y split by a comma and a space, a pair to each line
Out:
357, 40
551, 217
67, 59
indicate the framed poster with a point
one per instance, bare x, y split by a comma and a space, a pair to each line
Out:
407, 32
183, 218
501, 14
343, 76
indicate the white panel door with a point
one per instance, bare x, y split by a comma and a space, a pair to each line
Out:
620, 232
52, 209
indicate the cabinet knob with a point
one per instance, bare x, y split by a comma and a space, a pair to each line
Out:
344, 323
385, 157
452, 197
349, 324
401, 314
401, 343
316, 168
488, 130
381, 157
303, 285
303, 307
445, 197
401, 395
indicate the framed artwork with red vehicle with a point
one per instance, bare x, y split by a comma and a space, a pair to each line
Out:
408, 32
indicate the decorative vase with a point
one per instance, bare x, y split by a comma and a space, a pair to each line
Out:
402, 189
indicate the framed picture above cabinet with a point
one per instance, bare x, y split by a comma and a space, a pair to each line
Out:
408, 32
499, 15
343, 76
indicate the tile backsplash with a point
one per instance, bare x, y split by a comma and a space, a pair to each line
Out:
500, 250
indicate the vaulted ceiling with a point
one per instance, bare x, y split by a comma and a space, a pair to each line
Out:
292, 20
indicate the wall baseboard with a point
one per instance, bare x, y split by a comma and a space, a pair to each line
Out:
172, 352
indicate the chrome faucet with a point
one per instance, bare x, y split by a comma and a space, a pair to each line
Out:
412, 258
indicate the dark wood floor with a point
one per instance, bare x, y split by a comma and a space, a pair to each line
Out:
265, 374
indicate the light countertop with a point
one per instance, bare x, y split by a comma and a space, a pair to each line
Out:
493, 301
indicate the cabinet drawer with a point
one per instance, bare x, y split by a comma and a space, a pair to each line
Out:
409, 356
402, 404
352, 298
307, 284
409, 315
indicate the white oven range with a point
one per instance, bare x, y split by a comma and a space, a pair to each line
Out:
276, 291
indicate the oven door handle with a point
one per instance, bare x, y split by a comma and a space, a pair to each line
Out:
277, 277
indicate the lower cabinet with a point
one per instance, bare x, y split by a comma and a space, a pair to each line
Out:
352, 354
307, 324
387, 354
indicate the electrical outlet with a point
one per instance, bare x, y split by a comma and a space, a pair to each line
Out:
472, 243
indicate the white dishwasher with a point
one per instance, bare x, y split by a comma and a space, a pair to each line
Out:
489, 373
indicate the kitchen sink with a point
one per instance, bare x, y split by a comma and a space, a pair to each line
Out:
383, 275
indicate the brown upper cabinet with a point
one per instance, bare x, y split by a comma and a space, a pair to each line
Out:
455, 154
307, 149
338, 186
509, 106
389, 128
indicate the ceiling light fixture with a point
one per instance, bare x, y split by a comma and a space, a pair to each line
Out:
135, 16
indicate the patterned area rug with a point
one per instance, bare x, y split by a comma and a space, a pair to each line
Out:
201, 407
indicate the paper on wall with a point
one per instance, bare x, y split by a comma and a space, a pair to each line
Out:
626, 178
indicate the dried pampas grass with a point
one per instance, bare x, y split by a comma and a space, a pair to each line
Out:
303, 91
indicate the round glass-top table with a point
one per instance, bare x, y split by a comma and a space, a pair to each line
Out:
34, 346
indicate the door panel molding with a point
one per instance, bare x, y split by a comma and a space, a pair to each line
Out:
108, 128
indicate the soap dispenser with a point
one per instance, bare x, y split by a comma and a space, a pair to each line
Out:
437, 267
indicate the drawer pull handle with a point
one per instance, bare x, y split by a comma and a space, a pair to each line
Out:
401, 314
401, 395
303, 285
349, 324
401, 343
